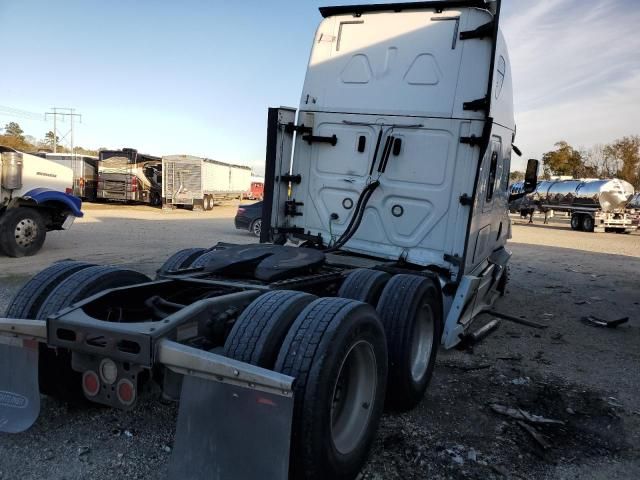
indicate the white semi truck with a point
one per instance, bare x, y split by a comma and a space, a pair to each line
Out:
197, 182
393, 173
35, 197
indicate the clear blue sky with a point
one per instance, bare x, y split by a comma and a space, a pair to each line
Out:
198, 76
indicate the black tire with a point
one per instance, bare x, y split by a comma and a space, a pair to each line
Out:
587, 223
256, 227
331, 333
410, 311
576, 222
154, 199
27, 302
56, 377
364, 285
180, 259
257, 335
22, 232
85, 283
201, 260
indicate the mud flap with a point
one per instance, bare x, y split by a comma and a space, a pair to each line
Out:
19, 391
226, 431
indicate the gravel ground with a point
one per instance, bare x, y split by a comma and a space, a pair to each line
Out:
582, 376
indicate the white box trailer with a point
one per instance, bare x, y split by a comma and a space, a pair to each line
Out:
198, 182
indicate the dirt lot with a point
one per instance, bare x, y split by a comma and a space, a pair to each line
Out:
584, 377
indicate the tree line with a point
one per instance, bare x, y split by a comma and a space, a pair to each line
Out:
620, 159
14, 137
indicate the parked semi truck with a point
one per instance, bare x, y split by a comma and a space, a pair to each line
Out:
128, 176
35, 197
393, 176
197, 182
595, 205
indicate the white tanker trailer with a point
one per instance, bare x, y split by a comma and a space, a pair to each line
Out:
595, 205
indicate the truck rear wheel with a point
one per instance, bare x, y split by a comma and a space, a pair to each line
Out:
257, 335
576, 221
337, 353
27, 302
181, 259
22, 232
57, 378
364, 285
587, 223
410, 311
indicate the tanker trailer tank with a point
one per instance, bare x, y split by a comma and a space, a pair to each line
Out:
595, 205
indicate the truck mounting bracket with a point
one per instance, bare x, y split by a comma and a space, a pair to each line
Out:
482, 31
297, 179
475, 105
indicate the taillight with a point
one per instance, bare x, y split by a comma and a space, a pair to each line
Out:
90, 383
241, 210
126, 392
134, 187
68, 191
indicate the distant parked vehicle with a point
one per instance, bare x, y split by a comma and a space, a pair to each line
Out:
35, 198
256, 192
85, 172
128, 176
249, 217
595, 205
197, 182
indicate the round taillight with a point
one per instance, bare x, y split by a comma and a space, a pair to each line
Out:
108, 371
90, 383
126, 392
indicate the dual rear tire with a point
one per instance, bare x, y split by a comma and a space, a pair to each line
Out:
335, 349
349, 361
53, 289
409, 307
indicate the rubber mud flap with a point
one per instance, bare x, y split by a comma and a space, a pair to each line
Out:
19, 391
228, 432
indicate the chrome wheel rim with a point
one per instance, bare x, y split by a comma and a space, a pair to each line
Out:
26, 232
257, 228
353, 396
422, 343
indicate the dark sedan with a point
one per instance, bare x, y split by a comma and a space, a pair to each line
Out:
249, 217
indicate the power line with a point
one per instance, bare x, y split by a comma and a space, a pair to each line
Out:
63, 113
18, 113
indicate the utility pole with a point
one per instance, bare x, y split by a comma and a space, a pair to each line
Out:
63, 113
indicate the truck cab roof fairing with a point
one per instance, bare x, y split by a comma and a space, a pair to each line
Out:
358, 10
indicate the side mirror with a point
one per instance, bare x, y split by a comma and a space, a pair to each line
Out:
531, 176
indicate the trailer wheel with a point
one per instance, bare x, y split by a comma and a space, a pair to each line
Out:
26, 303
587, 223
180, 259
364, 285
257, 335
410, 311
576, 221
256, 227
337, 353
57, 378
22, 232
